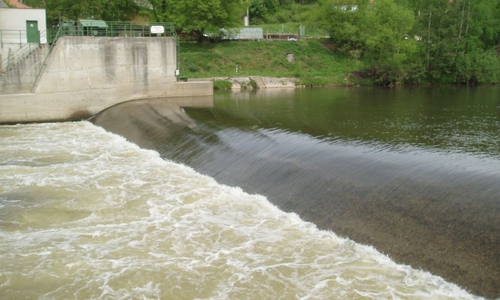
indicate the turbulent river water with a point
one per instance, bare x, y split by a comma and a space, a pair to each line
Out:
286, 194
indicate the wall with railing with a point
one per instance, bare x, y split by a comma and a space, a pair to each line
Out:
14, 47
84, 75
17, 63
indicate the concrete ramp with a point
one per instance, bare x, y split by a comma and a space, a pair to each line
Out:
258, 80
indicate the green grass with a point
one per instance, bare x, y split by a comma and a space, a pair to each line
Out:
315, 64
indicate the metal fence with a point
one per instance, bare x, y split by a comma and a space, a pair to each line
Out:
115, 29
18, 40
271, 32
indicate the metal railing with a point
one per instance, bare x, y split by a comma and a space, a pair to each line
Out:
274, 32
53, 39
115, 29
19, 38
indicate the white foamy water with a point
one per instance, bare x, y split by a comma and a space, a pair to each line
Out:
85, 214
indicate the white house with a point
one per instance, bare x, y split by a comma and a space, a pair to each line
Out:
20, 30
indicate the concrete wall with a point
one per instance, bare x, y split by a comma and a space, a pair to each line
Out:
85, 75
125, 66
20, 78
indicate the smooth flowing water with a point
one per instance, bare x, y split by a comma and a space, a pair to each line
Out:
87, 214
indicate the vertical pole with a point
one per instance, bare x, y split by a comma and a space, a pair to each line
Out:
428, 39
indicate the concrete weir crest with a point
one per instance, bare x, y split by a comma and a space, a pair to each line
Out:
85, 75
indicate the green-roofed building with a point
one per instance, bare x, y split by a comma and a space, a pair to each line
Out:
92, 27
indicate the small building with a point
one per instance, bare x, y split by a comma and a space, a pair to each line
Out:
92, 27
243, 34
20, 29
250, 34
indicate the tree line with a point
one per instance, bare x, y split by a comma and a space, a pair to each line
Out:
400, 41
417, 41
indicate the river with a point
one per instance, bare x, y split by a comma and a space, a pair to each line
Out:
281, 194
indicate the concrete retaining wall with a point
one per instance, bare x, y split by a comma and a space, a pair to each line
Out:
21, 77
85, 75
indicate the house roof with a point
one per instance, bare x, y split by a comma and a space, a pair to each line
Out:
16, 4
2, 4
93, 23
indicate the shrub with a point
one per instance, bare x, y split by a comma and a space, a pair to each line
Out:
222, 85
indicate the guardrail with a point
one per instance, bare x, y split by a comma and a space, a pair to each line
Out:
271, 32
116, 29
52, 44
18, 37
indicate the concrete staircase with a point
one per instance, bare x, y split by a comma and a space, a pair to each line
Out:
258, 80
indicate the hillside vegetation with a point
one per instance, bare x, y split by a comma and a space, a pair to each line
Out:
314, 63
391, 42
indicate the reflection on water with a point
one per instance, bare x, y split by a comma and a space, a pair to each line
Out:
413, 172
449, 119
85, 214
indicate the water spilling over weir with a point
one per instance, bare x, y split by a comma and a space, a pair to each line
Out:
435, 208
85, 213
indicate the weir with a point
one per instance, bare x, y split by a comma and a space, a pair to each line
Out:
83, 75
430, 208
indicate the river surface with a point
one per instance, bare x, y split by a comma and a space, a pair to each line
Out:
357, 193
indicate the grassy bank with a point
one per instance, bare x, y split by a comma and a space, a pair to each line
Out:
314, 63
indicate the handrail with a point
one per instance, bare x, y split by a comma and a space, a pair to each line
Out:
116, 29
24, 49
45, 59
13, 58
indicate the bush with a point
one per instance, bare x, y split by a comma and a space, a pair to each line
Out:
222, 85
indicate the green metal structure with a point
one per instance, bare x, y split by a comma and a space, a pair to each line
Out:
101, 28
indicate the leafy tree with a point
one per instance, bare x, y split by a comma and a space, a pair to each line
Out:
460, 37
159, 10
116, 10
386, 25
374, 31
119, 10
197, 16
343, 25
261, 10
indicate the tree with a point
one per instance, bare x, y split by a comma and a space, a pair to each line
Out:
373, 31
342, 24
261, 10
196, 16
385, 27
116, 10
460, 37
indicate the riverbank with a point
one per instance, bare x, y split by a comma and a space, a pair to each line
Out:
305, 63
260, 82
254, 82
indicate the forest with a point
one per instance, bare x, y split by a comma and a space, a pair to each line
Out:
399, 41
